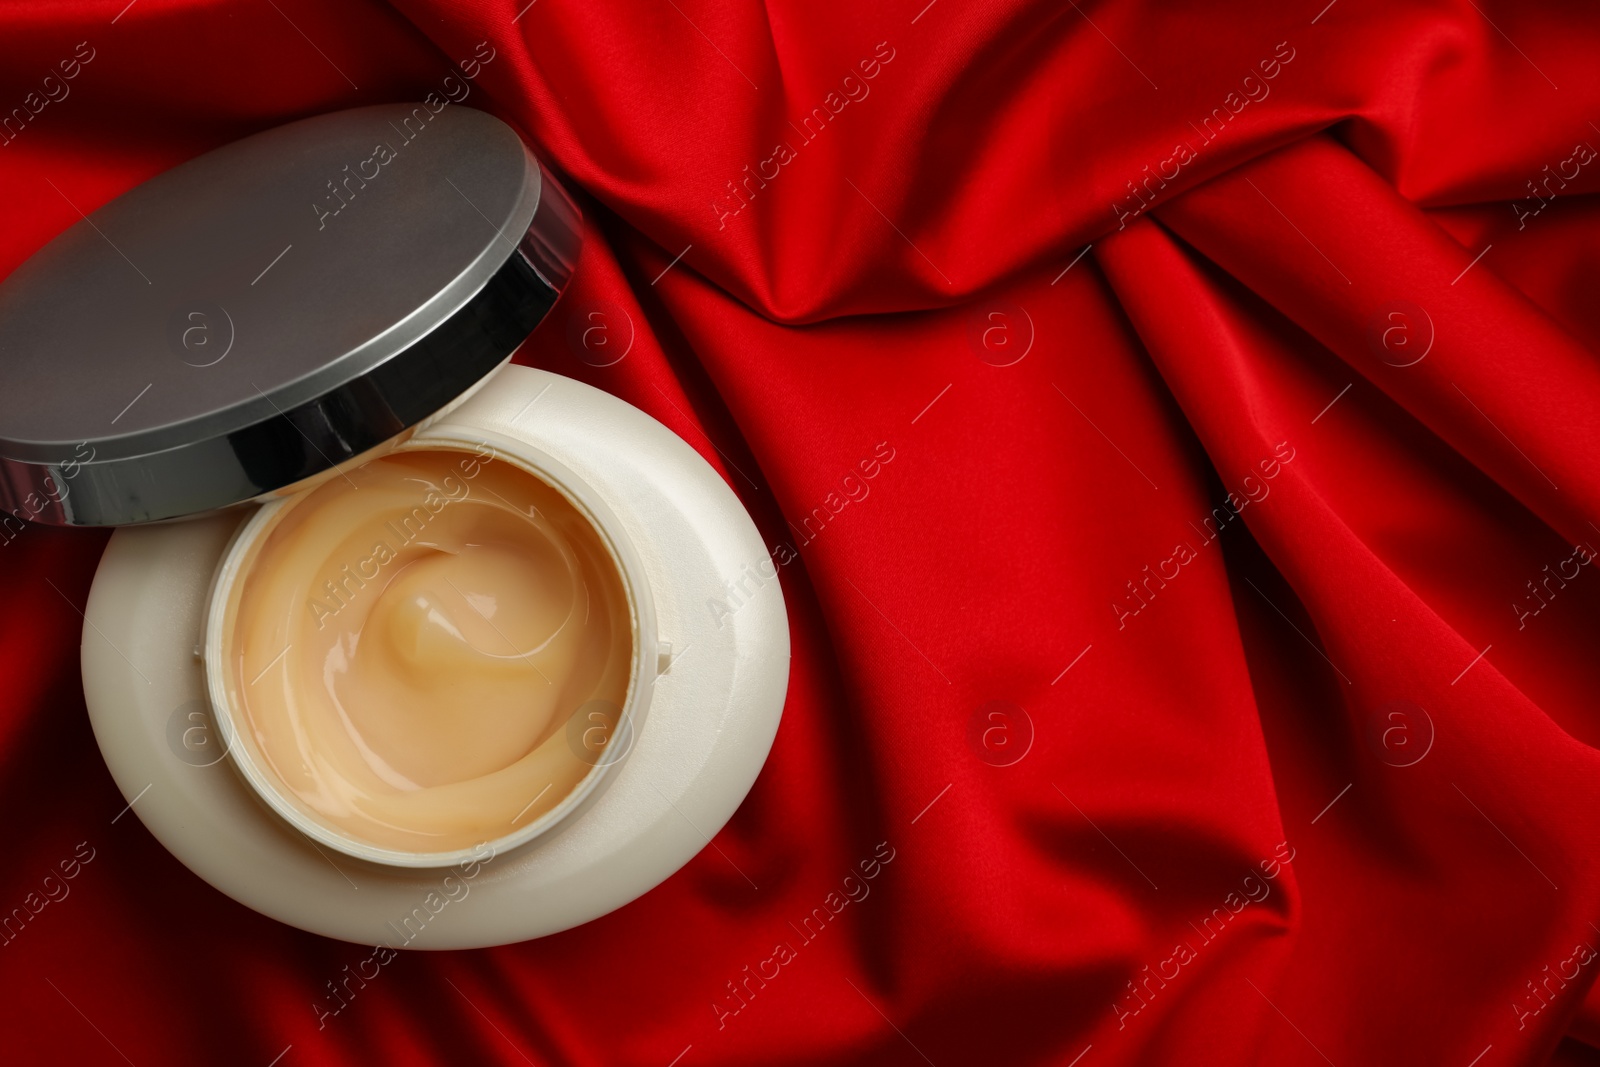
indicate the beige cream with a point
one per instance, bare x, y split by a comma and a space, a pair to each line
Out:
411, 643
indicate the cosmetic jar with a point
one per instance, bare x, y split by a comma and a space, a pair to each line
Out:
395, 641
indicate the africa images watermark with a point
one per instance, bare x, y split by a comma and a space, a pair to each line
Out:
851, 89
1551, 984
452, 889
1552, 183
1536, 601
1253, 889
1252, 89
1255, 490
342, 193
54, 490
853, 487
855, 888
52, 888
343, 588
53, 89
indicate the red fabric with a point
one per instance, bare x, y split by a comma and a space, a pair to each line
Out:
1231, 840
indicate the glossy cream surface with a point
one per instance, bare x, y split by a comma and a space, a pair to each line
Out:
411, 644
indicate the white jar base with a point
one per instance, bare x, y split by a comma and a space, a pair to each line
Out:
713, 713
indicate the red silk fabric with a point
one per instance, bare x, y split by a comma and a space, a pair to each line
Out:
1211, 386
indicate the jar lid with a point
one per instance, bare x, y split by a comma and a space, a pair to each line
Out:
259, 315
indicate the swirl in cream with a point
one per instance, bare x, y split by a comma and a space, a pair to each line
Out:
410, 642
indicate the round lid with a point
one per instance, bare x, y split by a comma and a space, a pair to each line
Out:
269, 310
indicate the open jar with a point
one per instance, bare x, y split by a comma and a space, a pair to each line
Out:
430, 620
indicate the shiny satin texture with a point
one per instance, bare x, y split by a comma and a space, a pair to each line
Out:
1089, 274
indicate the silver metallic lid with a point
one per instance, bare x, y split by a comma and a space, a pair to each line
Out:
261, 314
